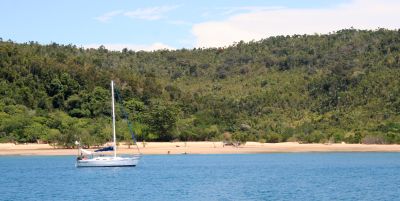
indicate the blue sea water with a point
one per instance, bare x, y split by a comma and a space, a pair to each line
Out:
283, 176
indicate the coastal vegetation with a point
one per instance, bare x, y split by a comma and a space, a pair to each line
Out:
343, 86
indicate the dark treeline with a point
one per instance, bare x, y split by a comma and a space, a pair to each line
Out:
343, 86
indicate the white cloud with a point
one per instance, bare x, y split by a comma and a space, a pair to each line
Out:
262, 23
107, 16
153, 13
135, 47
234, 10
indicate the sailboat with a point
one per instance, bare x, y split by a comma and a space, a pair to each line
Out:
88, 158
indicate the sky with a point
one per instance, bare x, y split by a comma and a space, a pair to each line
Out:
175, 24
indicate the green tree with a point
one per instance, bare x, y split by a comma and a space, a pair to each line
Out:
161, 120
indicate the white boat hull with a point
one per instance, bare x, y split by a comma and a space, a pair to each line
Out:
109, 162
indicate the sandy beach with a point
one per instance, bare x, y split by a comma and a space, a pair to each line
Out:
203, 148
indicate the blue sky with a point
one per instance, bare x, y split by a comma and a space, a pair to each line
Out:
184, 24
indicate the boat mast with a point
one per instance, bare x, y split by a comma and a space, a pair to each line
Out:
113, 118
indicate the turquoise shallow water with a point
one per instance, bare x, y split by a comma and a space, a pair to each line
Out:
300, 176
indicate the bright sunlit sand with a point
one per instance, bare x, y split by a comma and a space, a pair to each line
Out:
203, 148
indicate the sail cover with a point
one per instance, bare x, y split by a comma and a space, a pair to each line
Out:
110, 148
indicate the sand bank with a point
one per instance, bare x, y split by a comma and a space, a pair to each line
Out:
203, 148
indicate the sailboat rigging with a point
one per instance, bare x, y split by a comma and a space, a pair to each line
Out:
88, 158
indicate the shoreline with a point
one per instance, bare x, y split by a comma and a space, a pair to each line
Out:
156, 148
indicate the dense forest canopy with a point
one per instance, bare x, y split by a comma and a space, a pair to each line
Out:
342, 86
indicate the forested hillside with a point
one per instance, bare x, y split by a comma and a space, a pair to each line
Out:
343, 86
